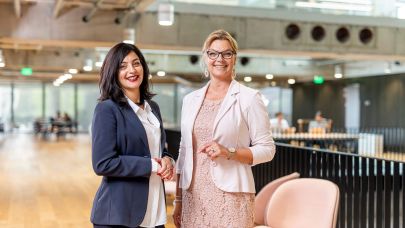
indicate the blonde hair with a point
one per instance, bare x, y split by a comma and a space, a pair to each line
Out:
220, 35
216, 35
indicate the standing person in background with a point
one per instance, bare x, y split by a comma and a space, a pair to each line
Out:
279, 124
225, 130
128, 145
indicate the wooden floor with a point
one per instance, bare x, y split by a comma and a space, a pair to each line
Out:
47, 183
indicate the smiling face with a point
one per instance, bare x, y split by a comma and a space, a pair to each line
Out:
130, 73
220, 67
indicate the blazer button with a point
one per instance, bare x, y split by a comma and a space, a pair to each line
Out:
214, 164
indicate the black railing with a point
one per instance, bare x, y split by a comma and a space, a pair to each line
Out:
371, 189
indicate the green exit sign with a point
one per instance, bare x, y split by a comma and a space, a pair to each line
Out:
26, 71
318, 79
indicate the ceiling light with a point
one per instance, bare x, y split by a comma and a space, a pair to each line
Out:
100, 60
338, 71
247, 79
129, 36
291, 81
166, 14
88, 66
338, 76
161, 73
269, 76
68, 76
73, 71
2, 64
61, 79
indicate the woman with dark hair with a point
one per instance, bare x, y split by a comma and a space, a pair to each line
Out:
128, 145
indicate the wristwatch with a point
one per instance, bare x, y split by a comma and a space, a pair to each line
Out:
231, 152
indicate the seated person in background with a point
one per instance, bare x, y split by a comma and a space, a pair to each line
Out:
67, 121
279, 124
319, 124
55, 122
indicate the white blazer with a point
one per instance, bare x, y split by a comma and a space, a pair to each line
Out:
242, 122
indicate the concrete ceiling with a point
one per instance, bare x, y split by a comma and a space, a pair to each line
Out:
52, 36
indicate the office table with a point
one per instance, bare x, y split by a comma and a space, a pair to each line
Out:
362, 143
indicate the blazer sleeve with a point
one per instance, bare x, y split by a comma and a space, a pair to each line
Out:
262, 143
106, 159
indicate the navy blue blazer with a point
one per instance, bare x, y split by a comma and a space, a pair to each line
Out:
120, 153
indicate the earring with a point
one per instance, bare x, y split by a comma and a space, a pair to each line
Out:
233, 73
206, 73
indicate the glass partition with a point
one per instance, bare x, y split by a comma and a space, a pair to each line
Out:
5, 107
59, 99
87, 95
165, 97
27, 105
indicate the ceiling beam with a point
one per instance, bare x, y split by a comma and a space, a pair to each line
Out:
93, 11
143, 5
104, 6
10, 43
17, 8
58, 6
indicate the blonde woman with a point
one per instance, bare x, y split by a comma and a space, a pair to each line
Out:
225, 130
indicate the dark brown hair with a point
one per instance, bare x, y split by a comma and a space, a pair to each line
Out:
110, 87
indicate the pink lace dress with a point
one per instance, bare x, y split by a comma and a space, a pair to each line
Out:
205, 205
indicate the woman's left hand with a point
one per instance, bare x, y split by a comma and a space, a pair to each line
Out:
166, 168
214, 150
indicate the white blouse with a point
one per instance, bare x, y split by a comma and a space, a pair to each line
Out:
156, 209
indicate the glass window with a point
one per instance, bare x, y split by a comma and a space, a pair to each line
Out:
287, 104
182, 91
278, 100
166, 100
5, 107
59, 99
87, 95
27, 105
271, 99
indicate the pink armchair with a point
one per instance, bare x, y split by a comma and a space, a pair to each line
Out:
263, 197
304, 203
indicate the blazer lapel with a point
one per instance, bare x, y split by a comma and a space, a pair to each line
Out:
132, 118
228, 101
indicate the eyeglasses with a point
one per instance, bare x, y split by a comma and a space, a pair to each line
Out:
214, 54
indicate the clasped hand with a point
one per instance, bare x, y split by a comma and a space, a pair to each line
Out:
166, 169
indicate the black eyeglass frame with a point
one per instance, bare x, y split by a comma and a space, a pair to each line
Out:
220, 53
